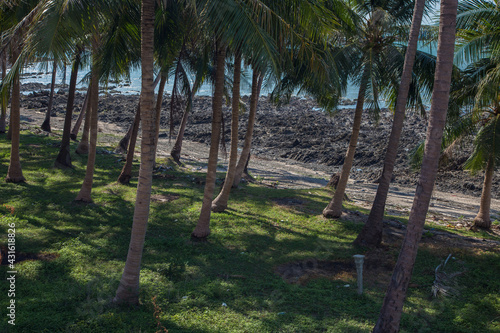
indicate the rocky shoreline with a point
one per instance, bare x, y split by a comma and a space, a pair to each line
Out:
298, 131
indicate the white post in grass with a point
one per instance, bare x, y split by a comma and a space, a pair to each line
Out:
358, 260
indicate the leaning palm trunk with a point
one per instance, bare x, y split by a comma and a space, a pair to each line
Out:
126, 173
177, 148
46, 123
63, 160
247, 144
482, 219
220, 202
3, 114
371, 235
202, 229
392, 307
86, 190
83, 145
124, 142
15, 173
334, 208
159, 100
76, 128
128, 290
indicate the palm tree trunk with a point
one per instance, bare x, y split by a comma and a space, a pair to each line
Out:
63, 81
15, 173
83, 145
124, 142
9, 131
86, 189
202, 229
371, 235
334, 208
159, 100
392, 307
176, 149
126, 173
128, 290
247, 144
3, 106
482, 219
63, 160
46, 123
76, 128
220, 202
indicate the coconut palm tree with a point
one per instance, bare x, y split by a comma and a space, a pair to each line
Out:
371, 234
474, 109
477, 91
475, 114
63, 159
392, 306
20, 16
128, 290
85, 191
377, 60
3, 105
83, 145
81, 116
15, 173
46, 122
219, 204
257, 79
202, 229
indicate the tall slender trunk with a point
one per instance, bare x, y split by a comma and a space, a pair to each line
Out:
159, 100
3, 106
86, 189
202, 229
128, 290
483, 219
220, 202
63, 159
76, 128
334, 208
177, 148
390, 314
46, 123
371, 235
126, 173
63, 81
9, 131
83, 145
124, 142
247, 144
15, 173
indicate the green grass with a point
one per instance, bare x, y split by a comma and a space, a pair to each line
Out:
190, 282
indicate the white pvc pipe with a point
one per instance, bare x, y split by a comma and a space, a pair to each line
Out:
358, 260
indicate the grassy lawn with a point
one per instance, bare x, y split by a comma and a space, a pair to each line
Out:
228, 284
